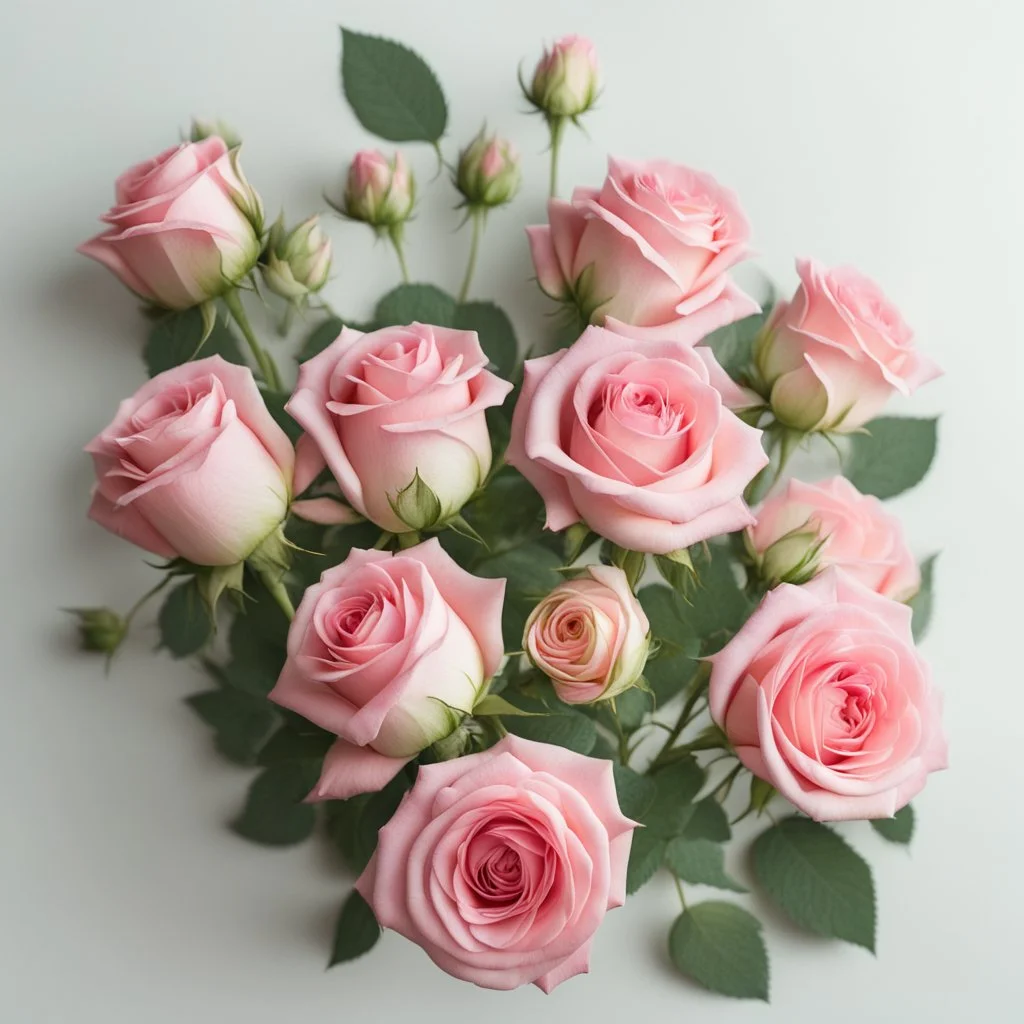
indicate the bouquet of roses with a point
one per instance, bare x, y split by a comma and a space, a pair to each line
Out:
518, 635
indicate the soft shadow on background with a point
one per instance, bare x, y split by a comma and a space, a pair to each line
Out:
885, 135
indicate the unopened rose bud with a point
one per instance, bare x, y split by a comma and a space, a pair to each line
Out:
589, 636
565, 82
296, 262
488, 171
99, 629
202, 129
379, 191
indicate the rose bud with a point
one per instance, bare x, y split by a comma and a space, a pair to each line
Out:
834, 354
589, 636
185, 228
635, 440
193, 466
380, 192
501, 865
296, 263
565, 82
488, 172
823, 695
807, 527
203, 129
386, 652
648, 249
100, 629
398, 415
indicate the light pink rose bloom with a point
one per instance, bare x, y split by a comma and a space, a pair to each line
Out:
502, 864
185, 227
632, 439
384, 652
488, 171
823, 695
378, 408
193, 465
650, 247
565, 81
379, 191
589, 636
836, 353
805, 528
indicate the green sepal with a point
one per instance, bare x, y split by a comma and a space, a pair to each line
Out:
416, 504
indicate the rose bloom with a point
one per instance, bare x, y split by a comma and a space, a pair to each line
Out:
565, 80
379, 408
193, 465
379, 191
384, 652
501, 865
837, 351
807, 527
632, 439
649, 247
185, 227
589, 636
823, 695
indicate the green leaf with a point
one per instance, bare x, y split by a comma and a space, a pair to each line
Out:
701, 862
177, 337
184, 621
733, 345
631, 707
897, 829
708, 821
817, 879
720, 946
572, 731
391, 90
673, 807
356, 932
409, 303
719, 606
241, 723
275, 402
636, 792
353, 824
492, 704
530, 571
923, 601
289, 745
274, 813
667, 615
892, 456
497, 336
257, 639
320, 337
645, 857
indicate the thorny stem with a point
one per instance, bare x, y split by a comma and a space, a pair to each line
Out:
266, 365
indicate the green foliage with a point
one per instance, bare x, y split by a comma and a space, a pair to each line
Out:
257, 640
645, 857
572, 730
320, 337
353, 824
701, 862
275, 402
240, 721
673, 807
671, 665
497, 336
892, 456
631, 707
897, 829
411, 303
177, 338
720, 605
274, 813
636, 792
733, 346
817, 879
356, 932
184, 621
291, 744
708, 821
720, 946
924, 600
391, 90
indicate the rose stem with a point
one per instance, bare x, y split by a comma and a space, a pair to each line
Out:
556, 125
263, 360
477, 216
395, 234
696, 689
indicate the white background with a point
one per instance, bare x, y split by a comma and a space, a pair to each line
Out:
883, 134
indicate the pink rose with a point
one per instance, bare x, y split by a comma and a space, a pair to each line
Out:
589, 636
379, 191
652, 246
823, 695
807, 527
632, 439
381, 408
565, 81
186, 225
836, 353
502, 864
193, 466
385, 651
